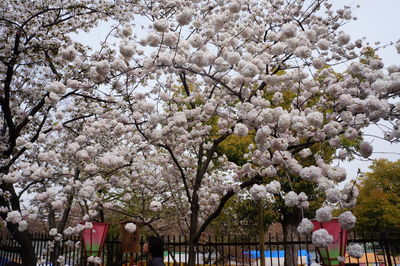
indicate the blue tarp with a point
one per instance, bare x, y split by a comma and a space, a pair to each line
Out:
255, 254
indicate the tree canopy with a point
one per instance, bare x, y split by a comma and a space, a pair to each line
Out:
378, 206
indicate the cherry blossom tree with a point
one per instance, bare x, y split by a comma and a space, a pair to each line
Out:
36, 56
264, 67
184, 77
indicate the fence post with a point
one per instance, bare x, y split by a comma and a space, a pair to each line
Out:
387, 249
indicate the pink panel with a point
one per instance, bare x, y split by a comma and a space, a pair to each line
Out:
338, 247
93, 239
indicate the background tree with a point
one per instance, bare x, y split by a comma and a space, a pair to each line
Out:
378, 206
240, 217
34, 69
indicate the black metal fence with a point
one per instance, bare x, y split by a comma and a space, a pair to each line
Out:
379, 248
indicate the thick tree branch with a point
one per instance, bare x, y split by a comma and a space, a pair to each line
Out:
182, 76
182, 173
255, 180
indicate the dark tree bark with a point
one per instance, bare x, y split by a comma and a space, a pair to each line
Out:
261, 231
28, 256
290, 222
196, 230
192, 233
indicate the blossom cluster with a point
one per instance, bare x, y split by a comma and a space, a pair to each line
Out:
130, 227
355, 250
305, 226
321, 238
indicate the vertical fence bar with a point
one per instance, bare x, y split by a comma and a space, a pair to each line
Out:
216, 249
68, 250
6, 243
197, 257
9, 244
180, 248
396, 242
186, 255
174, 250
382, 247
210, 250
365, 248
222, 250
291, 246
82, 253
202, 249
16, 254
249, 249
229, 250
110, 252
2, 235
356, 238
277, 249
141, 248
41, 247
270, 248
373, 247
12, 253
6, 236
387, 249
300, 250
168, 248
45, 246
392, 247
242, 249
235, 247
105, 248
1, 243
72, 250
308, 251
256, 245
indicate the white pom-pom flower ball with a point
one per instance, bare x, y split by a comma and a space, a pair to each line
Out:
155, 206
130, 227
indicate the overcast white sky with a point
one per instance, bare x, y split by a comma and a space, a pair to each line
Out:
378, 20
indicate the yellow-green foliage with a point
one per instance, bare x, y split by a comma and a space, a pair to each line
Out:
235, 147
369, 53
240, 216
378, 205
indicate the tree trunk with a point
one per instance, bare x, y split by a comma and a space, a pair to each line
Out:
192, 253
291, 251
261, 233
28, 256
55, 253
289, 225
193, 230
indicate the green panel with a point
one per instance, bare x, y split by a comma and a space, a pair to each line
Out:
92, 250
333, 254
